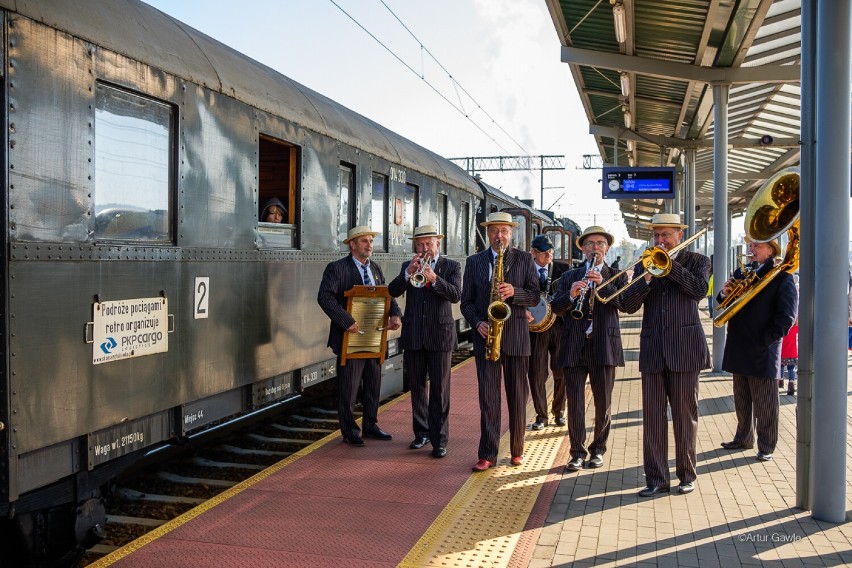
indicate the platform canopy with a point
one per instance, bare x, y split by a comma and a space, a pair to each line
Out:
645, 69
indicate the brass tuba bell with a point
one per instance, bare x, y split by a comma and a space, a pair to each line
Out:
773, 209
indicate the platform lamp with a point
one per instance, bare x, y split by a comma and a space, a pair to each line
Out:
620, 21
624, 78
628, 119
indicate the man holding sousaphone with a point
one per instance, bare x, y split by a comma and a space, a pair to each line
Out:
545, 329
591, 344
672, 351
339, 277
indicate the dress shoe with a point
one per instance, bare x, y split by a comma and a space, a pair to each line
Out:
574, 465
482, 465
595, 461
356, 441
764, 457
538, 425
560, 421
377, 433
517, 460
686, 487
418, 443
735, 446
439, 452
652, 490
791, 390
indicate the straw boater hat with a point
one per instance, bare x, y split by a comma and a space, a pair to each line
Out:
595, 230
667, 220
426, 231
499, 218
359, 231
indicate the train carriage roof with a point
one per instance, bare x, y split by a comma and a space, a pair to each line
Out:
143, 33
514, 202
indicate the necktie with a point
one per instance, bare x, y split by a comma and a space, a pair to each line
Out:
366, 275
542, 276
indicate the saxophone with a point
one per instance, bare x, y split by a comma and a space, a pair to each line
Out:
498, 312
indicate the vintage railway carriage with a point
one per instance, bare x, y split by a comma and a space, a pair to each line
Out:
144, 299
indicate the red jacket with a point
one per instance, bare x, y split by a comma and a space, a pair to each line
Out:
790, 344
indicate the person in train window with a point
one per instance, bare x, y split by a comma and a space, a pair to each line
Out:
672, 351
431, 284
273, 211
590, 345
518, 290
338, 277
544, 345
753, 352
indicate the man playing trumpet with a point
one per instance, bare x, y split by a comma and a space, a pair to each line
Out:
431, 284
590, 345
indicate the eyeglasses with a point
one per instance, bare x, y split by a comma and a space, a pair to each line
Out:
503, 231
595, 243
666, 235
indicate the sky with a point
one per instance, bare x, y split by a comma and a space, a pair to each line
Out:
509, 93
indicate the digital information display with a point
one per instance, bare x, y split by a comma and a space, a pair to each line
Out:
638, 183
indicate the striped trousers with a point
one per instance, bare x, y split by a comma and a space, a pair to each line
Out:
488, 373
680, 391
756, 401
602, 380
348, 378
430, 399
544, 347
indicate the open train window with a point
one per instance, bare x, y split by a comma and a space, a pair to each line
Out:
380, 213
277, 192
133, 167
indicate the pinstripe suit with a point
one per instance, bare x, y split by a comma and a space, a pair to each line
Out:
544, 347
595, 355
338, 277
428, 338
672, 350
753, 356
518, 271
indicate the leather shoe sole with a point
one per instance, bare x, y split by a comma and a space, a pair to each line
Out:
735, 446
439, 452
378, 434
355, 441
418, 443
652, 490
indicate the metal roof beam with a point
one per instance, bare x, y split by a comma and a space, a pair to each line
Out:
681, 71
669, 142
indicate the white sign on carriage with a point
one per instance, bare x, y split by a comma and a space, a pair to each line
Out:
130, 328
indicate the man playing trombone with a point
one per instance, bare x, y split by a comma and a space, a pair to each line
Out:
590, 345
672, 351
431, 284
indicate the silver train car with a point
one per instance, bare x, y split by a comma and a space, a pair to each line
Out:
144, 299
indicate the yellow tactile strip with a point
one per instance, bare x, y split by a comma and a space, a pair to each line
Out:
482, 524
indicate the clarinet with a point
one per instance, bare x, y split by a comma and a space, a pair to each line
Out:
577, 310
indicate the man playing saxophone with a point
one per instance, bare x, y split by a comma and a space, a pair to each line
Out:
513, 290
590, 345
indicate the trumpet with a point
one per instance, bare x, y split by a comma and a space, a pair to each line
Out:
577, 310
418, 279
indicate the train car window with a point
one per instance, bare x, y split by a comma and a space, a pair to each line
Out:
379, 221
442, 220
411, 214
133, 167
519, 233
465, 232
556, 238
346, 190
278, 194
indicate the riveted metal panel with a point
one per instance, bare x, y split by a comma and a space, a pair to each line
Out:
128, 437
45, 465
211, 409
319, 372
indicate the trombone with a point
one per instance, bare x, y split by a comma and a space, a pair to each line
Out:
657, 262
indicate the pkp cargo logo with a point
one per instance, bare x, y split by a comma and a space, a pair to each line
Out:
108, 345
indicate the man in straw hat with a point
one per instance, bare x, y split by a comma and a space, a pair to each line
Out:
753, 351
591, 345
429, 335
520, 290
338, 277
672, 351
544, 345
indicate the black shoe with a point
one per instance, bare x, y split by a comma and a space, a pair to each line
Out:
356, 441
686, 487
574, 465
377, 433
595, 461
652, 490
538, 425
560, 421
439, 452
791, 391
764, 457
418, 443
735, 446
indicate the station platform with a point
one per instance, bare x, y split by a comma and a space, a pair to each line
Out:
386, 505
